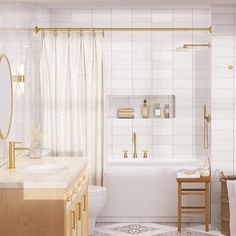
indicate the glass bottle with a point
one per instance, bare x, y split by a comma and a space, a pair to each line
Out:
145, 109
167, 111
157, 110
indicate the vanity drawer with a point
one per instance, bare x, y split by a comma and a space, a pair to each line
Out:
78, 181
76, 190
77, 216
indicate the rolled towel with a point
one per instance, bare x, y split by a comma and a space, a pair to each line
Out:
125, 113
186, 174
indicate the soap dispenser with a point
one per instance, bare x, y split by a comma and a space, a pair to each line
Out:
145, 109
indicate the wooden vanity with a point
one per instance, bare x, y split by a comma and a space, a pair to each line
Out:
45, 197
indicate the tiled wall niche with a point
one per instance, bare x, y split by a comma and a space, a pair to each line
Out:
136, 102
147, 63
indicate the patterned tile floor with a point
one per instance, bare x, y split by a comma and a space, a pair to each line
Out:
151, 229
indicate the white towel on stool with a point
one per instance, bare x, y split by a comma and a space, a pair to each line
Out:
231, 185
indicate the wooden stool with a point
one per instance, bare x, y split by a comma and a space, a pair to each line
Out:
193, 192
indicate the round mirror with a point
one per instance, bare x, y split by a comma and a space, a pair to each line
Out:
6, 97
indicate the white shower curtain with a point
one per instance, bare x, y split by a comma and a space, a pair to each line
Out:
73, 97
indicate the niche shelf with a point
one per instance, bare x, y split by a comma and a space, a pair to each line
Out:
135, 101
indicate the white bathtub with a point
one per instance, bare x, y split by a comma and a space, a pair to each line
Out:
144, 190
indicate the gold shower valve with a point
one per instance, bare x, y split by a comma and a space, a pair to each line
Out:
230, 67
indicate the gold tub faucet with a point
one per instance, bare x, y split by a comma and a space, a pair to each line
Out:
135, 145
12, 154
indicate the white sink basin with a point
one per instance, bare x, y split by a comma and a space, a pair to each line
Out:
45, 168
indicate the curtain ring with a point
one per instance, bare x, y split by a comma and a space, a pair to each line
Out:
55, 32
81, 32
43, 34
68, 32
93, 31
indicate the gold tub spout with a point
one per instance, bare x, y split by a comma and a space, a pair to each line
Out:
135, 145
12, 154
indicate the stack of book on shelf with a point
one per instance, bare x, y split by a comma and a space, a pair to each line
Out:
125, 113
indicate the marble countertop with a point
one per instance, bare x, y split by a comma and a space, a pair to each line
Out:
47, 172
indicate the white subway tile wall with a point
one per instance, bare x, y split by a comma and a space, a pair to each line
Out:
223, 99
147, 63
223, 54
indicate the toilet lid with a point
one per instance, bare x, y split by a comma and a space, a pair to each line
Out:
96, 190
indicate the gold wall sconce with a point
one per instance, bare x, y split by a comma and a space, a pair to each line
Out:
19, 78
19, 83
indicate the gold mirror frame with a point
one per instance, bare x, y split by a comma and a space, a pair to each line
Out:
5, 136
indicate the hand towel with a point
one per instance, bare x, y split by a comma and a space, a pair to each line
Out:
231, 186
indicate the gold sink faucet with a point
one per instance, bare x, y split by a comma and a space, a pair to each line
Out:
12, 154
135, 145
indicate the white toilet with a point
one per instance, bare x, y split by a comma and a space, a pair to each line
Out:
96, 200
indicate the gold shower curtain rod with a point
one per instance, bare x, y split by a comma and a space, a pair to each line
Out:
38, 29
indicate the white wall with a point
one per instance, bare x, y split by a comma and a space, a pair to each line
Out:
223, 99
145, 63
223, 54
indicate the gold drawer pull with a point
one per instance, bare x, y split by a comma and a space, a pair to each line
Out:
79, 211
73, 220
69, 199
230, 67
84, 177
85, 202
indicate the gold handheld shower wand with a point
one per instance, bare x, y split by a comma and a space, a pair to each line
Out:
207, 120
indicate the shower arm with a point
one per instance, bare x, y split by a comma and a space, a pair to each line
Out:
188, 45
